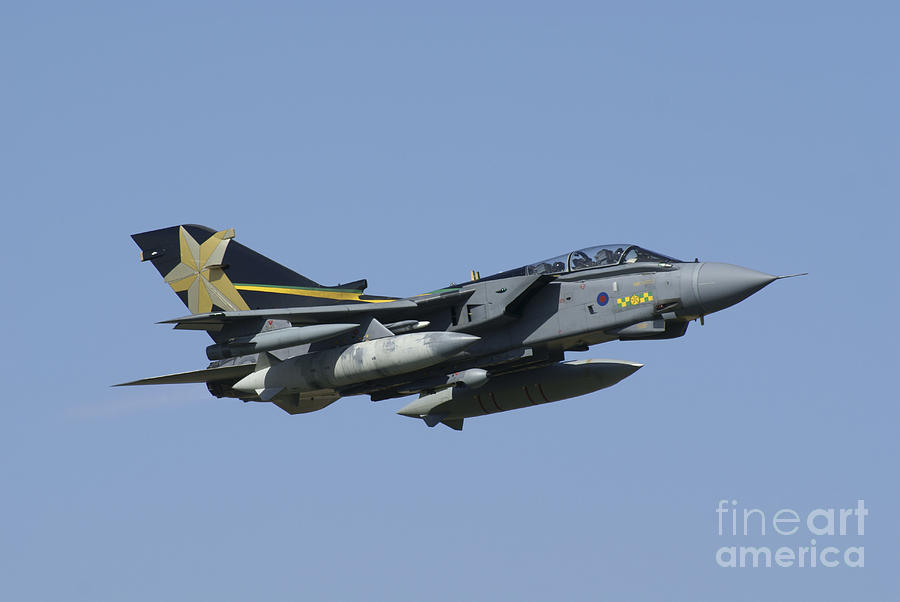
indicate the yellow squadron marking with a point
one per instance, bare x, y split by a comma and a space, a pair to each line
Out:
633, 300
200, 273
305, 292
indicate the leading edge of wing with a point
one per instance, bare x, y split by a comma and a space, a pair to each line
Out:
195, 376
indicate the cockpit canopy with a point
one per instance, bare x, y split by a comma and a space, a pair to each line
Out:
597, 257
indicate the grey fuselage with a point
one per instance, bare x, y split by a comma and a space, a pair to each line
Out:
488, 345
527, 320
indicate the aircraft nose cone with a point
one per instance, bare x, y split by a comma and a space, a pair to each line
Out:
721, 285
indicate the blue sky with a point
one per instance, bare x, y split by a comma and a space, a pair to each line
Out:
409, 144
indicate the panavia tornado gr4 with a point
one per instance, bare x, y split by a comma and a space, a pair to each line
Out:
489, 345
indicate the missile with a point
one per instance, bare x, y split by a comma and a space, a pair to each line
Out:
473, 377
405, 326
519, 390
352, 364
277, 339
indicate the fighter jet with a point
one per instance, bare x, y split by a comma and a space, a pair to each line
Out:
489, 345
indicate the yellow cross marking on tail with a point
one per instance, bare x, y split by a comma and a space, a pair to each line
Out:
200, 273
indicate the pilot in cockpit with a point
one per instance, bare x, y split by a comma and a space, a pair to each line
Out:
580, 261
603, 257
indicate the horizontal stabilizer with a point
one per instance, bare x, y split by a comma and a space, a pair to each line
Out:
197, 376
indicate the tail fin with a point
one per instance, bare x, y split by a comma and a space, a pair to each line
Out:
209, 270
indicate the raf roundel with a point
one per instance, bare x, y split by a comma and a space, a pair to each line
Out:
602, 299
